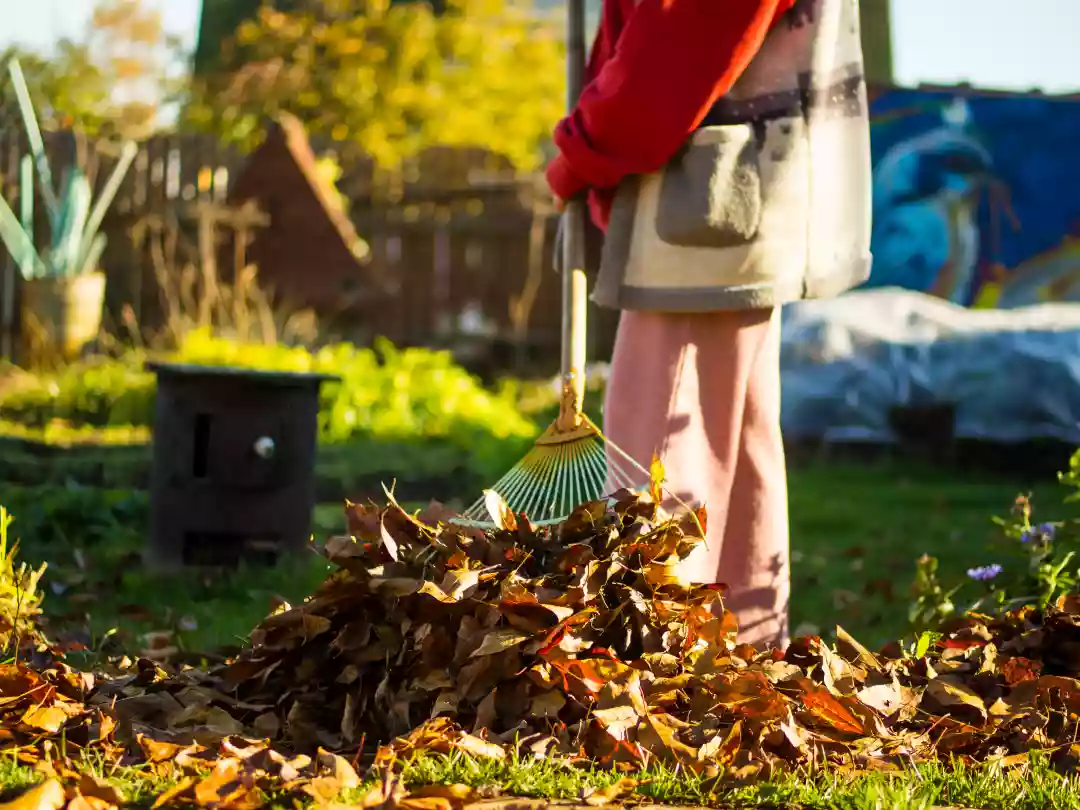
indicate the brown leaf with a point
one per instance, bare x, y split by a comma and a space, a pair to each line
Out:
267, 725
49, 795
479, 748
17, 684
498, 641
501, 514
341, 769
750, 696
46, 718
853, 650
659, 735
1018, 670
886, 698
460, 582
656, 479
324, 790
93, 787
666, 572
180, 792
214, 719
945, 694
425, 803
547, 704
456, 793
721, 749
388, 793
158, 751
616, 791
228, 787
81, 802
618, 720
830, 709
388, 542
589, 676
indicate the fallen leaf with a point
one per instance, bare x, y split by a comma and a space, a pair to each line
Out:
944, 693
1018, 670
46, 718
830, 709
656, 479
49, 795
227, 787
616, 791
341, 769
498, 641
81, 802
479, 748
500, 513
92, 787
721, 749
181, 792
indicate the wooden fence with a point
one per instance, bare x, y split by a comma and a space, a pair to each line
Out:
459, 242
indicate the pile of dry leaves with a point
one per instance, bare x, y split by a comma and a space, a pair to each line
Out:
577, 641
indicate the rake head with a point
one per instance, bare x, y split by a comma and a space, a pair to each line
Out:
571, 463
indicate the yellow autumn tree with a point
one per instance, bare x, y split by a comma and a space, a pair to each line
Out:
392, 79
113, 79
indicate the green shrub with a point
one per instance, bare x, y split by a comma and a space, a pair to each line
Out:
100, 392
20, 597
1032, 563
383, 393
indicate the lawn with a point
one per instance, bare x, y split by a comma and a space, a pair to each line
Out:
856, 530
851, 524
451, 783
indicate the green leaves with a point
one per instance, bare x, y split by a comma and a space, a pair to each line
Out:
74, 218
922, 646
20, 597
384, 393
932, 604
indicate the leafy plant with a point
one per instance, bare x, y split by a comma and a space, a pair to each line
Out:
1033, 563
932, 603
74, 218
384, 393
20, 598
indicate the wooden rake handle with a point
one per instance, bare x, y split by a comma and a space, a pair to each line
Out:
574, 284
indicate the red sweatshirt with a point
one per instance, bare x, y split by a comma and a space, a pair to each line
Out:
656, 68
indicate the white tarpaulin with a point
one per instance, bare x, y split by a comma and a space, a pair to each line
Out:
1011, 374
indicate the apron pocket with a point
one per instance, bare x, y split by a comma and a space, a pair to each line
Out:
710, 193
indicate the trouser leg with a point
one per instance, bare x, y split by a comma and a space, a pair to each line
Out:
702, 390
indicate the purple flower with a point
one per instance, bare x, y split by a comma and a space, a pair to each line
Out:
984, 573
1044, 531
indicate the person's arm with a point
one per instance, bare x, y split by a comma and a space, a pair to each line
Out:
672, 61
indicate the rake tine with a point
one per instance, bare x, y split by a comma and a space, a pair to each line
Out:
558, 475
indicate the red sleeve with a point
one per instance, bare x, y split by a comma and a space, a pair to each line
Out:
672, 61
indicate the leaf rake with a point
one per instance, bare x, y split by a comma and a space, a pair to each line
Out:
572, 462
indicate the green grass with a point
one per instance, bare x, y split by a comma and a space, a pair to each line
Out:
920, 788
856, 530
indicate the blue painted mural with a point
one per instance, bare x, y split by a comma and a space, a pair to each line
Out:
977, 196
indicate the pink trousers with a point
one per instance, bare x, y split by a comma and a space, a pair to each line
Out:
703, 391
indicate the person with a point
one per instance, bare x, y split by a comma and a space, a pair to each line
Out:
724, 151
